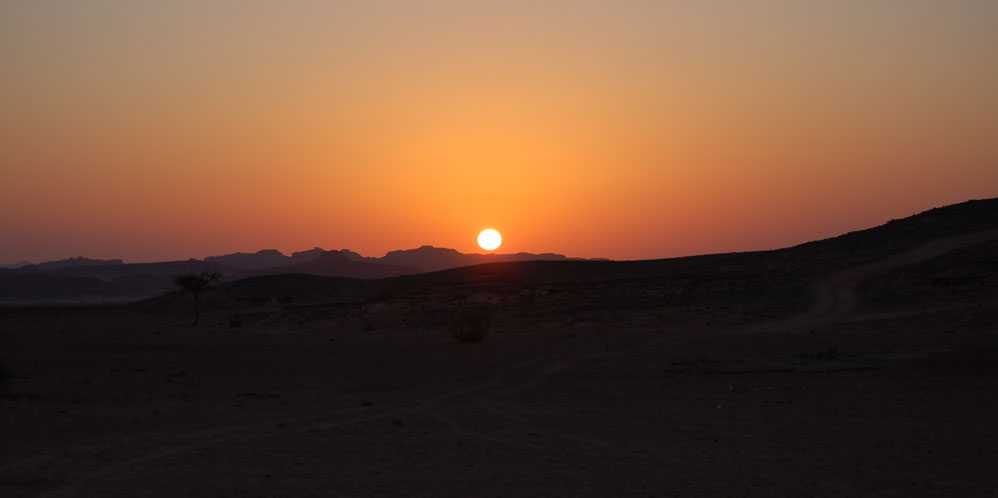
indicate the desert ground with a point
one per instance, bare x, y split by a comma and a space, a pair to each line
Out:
877, 376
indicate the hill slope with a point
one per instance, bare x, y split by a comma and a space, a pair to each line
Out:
782, 277
770, 282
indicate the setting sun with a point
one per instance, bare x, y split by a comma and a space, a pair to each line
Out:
489, 239
270, 209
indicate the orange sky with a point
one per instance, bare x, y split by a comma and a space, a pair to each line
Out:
630, 129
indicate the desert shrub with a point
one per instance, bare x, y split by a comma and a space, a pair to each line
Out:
235, 320
471, 324
195, 283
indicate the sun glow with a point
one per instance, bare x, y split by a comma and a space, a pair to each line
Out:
489, 239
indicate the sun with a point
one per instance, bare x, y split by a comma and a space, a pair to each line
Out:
489, 239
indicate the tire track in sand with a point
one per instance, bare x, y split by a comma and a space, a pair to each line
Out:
835, 296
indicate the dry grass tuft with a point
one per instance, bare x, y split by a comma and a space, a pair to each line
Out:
471, 324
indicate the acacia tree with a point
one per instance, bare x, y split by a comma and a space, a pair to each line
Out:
195, 283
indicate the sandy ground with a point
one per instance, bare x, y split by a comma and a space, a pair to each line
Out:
829, 403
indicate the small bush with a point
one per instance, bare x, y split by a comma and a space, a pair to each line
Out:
235, 320
471, 324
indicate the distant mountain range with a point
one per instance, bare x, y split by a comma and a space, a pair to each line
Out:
429, 258
423, 259
267, 258
81, 280
338, 264
87, 280
773, 282
15, 265
72, 262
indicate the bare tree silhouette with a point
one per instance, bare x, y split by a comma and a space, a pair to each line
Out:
195, 283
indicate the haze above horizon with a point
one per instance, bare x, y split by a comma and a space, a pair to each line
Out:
156, 131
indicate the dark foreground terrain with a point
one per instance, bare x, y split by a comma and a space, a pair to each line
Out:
865, 365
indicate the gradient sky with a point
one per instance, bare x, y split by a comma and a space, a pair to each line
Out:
623, 129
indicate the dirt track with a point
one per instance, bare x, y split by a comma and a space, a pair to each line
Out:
835, 295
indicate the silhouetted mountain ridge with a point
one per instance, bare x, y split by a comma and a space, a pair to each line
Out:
338, 264
74, 262
14, 266
429, 258
426, 258
95, 283
264, 259
899, 234
785, 271
780, 279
